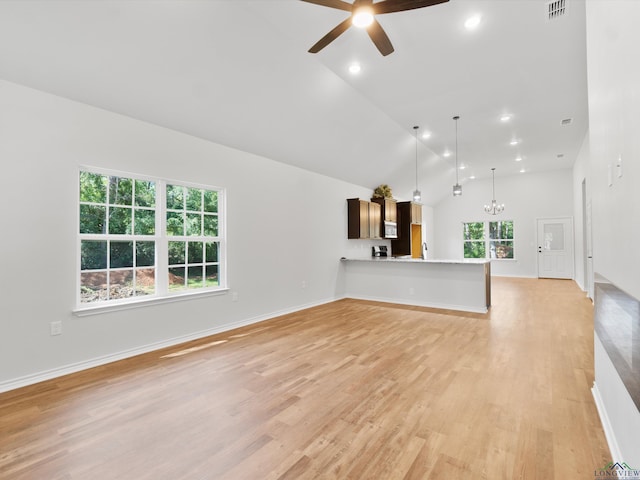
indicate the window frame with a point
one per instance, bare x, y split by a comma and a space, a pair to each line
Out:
162, 292
487, 240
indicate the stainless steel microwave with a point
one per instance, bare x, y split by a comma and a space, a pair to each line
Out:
390, 230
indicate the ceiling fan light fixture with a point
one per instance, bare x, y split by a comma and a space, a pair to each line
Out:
362, 17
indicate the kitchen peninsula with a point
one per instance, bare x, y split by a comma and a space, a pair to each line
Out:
448, 284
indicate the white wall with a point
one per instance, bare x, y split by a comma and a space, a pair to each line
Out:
614, 123
527, 197
285, 226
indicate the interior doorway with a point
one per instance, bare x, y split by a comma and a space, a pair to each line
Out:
586, 242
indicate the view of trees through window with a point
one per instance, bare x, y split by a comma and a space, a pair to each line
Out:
488, 239
123, 226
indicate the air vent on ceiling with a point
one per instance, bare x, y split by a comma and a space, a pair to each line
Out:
567, 121
556, 8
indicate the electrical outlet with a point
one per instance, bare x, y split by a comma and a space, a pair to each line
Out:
412, 291
304, 284
234, 296
56, 328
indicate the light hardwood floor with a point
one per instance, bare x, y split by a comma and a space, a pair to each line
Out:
349, 390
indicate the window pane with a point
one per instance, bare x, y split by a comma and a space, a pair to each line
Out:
554, 236
145, 254
194, 224
211, 252
501, 230
119, 221
145, 281
176, 278
176, 253
194, 199
93, 255
120, 191
93, 187
194, 279
210, 201
501, 249
145, 194
175, 223
175, 197
195, 252
474, 231
93, 219
145, 222
211, 279
93, 287
121, 254
120, 284
474, 250
211, 225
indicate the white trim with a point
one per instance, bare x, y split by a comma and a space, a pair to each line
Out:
441, 306
96, 309
614, 449
114, 357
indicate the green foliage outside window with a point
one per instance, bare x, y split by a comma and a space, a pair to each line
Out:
499, 244
474, 244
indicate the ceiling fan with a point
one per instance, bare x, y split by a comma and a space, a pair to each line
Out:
362, 15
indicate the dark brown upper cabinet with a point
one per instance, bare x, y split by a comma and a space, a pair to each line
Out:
364, 219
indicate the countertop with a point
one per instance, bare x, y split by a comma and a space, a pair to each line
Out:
464, 261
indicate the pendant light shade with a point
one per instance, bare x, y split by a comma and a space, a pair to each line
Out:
494, 208
417, 196
457, 188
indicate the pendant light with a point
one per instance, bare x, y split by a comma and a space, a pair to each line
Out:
417, 196
494, 208
457, 188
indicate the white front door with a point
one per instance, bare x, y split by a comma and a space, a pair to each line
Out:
555, 248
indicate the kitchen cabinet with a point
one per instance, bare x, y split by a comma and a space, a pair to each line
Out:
388, 213
409, 241
364, 219
389, 208
416, 213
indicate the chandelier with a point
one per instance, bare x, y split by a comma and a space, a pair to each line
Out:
494, 208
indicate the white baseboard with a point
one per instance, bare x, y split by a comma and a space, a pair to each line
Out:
614, 449
31, 379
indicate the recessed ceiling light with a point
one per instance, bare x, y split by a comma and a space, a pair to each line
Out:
505, 118
355, 68
472, 177
426, 135
472, 23
446, 154
514, 142
462, 167
522, 170
518, 158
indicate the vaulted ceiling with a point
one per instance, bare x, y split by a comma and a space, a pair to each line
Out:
238, 73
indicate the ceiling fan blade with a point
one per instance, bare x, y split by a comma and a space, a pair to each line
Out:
391, 6
339, 4
380, 38
331, 36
